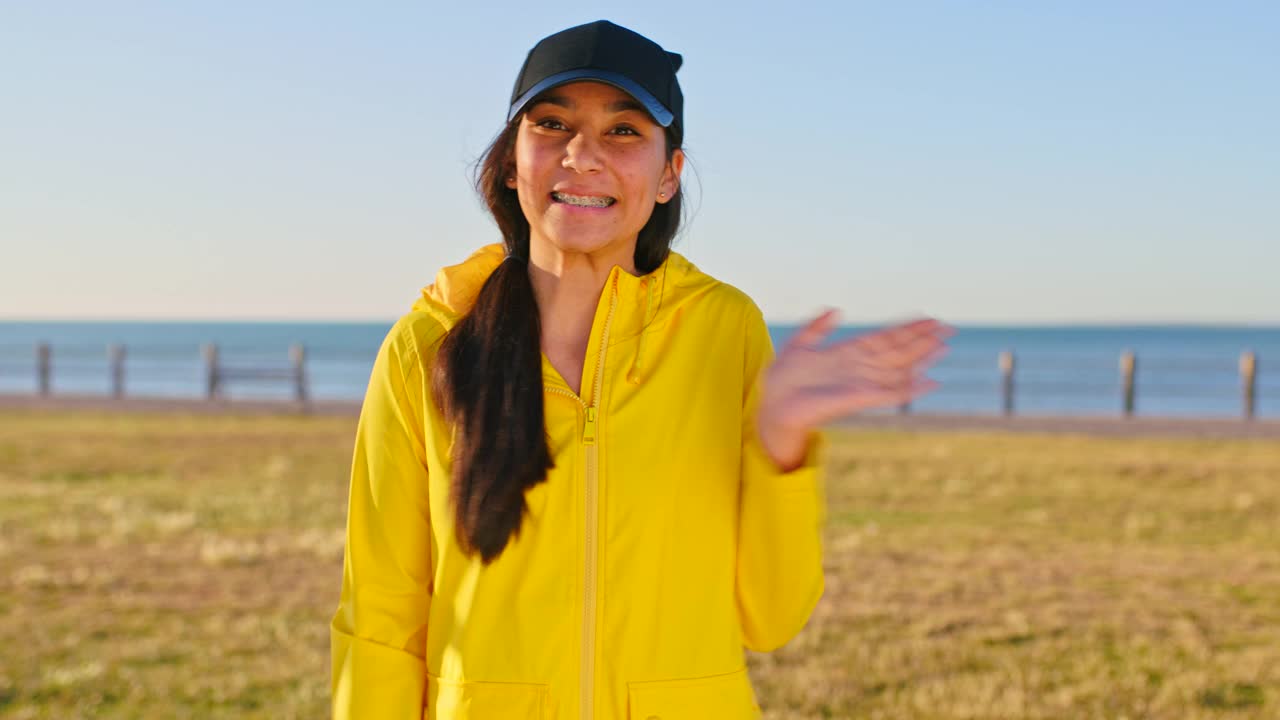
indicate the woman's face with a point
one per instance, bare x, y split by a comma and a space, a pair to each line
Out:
590, 164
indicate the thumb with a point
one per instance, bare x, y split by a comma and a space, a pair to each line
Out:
815, 330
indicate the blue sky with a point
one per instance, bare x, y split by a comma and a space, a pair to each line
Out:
996, 163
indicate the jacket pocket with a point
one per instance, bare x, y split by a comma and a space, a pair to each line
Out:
473, 700
724, 697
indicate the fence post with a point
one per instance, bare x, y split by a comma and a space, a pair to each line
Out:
212, 381
298, 354
115, 355
44, 365
1249, 376
1128, 368
1007, 365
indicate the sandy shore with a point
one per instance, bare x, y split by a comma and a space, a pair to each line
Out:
1088, 425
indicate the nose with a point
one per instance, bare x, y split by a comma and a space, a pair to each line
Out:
582, 153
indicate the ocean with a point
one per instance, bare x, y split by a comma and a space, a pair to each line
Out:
1189, 371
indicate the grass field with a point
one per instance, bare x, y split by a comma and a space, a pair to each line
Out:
166, 566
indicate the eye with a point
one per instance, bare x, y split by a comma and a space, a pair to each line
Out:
550, 124
626, 130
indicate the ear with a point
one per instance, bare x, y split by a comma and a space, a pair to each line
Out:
671, 176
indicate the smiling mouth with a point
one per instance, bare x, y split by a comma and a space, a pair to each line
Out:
591, 201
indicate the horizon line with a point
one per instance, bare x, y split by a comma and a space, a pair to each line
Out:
976, 324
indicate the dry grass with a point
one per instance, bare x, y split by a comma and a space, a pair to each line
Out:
187, 566
993, 576
168, 566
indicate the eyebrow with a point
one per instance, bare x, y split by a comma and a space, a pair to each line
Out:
616, 106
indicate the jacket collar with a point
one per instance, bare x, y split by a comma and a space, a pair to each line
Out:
645, 303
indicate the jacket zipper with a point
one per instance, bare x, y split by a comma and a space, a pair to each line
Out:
590, 590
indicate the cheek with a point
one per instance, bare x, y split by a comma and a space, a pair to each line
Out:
530, 158
643, 170
655, 167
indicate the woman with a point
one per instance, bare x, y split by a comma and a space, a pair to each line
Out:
580, 485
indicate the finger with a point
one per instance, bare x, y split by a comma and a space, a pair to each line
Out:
812, 334
824, 366
885, 374
841, 368
906, 354
909, 331
937, 324
834, 405
918, 326
889, 338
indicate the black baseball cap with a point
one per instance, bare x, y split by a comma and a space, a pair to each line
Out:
607, 53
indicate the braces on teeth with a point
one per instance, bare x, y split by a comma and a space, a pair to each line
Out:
582, 201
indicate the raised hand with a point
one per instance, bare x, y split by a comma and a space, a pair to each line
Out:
809, 385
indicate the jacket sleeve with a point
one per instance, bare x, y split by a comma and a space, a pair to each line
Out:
378, 634
781, 515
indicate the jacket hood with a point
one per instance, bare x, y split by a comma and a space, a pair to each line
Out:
645, 303
456, 286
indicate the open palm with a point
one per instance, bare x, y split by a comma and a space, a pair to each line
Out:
809, 385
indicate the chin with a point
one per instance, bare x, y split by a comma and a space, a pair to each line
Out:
583, 241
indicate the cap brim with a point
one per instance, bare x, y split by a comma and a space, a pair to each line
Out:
660, 114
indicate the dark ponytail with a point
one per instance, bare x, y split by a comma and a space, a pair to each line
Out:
487, 379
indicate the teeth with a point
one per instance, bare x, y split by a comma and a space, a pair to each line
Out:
582, 200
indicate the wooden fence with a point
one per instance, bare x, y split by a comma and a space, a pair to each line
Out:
1129, 386
217, 375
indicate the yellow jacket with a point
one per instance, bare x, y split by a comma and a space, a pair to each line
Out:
663, 541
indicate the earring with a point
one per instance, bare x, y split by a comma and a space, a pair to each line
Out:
662, 194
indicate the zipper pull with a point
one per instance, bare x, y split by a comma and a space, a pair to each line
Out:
589, 427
